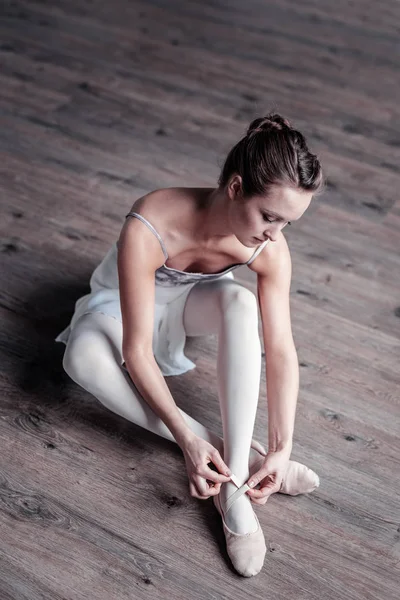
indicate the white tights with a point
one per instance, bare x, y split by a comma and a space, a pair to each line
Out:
94, 354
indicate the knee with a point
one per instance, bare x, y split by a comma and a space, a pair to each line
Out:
77, 357
238, 300
84, 359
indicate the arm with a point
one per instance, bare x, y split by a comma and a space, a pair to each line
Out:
139, 255
282, 371
273, 270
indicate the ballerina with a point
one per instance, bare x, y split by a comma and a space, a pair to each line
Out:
129, 332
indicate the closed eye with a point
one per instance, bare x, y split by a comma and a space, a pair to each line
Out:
267, 218
270, 220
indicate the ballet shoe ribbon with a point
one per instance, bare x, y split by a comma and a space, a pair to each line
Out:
242, 489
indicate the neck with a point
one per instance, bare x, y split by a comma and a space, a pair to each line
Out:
215, 222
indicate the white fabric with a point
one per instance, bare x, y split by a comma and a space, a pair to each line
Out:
231, 310
94, 354
168, 333
172, 287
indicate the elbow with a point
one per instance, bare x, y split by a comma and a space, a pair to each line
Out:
136, 357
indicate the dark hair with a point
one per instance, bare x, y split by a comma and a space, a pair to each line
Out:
272, 152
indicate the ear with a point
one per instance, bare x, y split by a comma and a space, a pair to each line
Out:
235, 187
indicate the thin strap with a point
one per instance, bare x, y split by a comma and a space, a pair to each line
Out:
150, 226
257, 252
239, 492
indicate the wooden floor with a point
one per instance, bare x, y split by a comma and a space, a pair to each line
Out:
103, 101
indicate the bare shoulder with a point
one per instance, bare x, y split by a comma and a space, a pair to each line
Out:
274, 261
137, 244
163, 209
161, 204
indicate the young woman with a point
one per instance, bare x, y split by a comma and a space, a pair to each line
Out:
130, 331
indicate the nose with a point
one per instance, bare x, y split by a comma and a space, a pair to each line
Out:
272, 233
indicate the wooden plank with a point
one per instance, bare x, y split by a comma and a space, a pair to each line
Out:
100, 103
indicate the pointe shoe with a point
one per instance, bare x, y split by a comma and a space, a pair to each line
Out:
298, 479
246, 551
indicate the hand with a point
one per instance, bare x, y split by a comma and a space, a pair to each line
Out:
203, 481
269, 476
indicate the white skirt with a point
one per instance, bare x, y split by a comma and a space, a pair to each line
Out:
169, 335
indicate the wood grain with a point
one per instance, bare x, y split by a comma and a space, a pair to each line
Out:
101, 102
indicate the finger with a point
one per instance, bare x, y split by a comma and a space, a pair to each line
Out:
263, 492
255, 494
214, 490
213, 476
268, 491
261, 501
219, 463
257, 477
202, 487
214, 486
211, 489
193, 491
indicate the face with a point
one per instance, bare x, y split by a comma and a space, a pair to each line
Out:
259, 218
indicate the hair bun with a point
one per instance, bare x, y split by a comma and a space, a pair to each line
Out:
272, 153
268, 123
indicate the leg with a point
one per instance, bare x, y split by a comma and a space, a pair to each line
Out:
231, 309
92, 359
